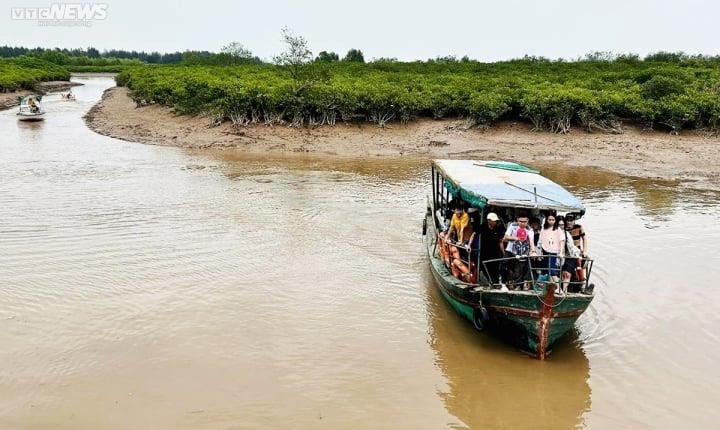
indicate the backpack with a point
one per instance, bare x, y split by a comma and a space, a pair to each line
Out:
520, 247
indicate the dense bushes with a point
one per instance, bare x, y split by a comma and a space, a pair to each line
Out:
24, 73
97, 69
553, 96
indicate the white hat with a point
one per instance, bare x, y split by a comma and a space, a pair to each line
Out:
492, 217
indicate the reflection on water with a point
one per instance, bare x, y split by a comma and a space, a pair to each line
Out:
653, 198
151, 287
386, 170
493, 386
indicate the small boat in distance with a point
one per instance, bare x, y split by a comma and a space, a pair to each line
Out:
30, 108
531, 314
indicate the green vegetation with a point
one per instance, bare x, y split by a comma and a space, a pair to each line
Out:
327, 57
665, 90
24, 73
109, 68
91, 59
59, 55
597, 93
354, 55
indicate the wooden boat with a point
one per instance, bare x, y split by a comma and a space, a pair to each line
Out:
531, 320
68, 97
30, 108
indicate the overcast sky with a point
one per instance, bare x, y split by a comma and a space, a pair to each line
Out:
407, 30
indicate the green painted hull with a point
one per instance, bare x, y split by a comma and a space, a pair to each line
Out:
528, 320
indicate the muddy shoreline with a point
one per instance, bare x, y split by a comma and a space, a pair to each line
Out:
692, 157
9, 100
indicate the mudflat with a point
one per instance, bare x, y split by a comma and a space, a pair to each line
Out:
691, 157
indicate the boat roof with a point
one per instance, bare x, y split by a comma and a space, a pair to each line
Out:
504, 183
25, 99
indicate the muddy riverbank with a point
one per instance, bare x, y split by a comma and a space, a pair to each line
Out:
8, 100
640, 153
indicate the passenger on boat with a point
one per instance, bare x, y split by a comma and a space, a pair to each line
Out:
535, 226
552, 243
463, 232
464, 267
577, 233
459, 232
444, 235
491, 244
572, 268
521, 243
33, 106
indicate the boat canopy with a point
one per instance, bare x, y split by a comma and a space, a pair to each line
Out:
502, 183
24, 100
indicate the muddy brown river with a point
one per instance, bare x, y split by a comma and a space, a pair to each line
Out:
153, 287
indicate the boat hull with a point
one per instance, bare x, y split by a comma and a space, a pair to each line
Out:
31, 117
529, 320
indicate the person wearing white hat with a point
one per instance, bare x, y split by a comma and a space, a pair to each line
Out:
491, 236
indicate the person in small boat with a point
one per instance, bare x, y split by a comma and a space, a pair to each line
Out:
520, 243
33, 106
552, 244
491, 244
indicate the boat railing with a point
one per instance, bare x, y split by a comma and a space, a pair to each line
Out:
533, 270
469, 265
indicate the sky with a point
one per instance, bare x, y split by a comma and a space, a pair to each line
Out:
406, 30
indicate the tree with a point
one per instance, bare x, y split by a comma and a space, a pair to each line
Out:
296, 59
237, 51
600, 56
354, 55
667, 57
327, 57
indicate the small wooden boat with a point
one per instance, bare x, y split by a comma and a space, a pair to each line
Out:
30, 108
68, 97
529, 319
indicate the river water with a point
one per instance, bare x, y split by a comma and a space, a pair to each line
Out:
155, 287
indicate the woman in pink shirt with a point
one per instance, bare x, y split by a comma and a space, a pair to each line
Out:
552, 243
